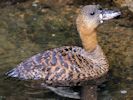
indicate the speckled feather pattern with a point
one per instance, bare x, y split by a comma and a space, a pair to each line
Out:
64, 66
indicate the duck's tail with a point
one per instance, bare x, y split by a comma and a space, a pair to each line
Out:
12, 73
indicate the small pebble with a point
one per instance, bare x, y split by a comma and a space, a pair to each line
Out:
123, 91
34, 19
43, 10
34, 4
53, 35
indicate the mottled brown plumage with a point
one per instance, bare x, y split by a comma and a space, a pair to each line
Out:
70, 65
63, 66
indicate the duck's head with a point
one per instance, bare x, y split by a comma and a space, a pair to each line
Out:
88, 19
92, 15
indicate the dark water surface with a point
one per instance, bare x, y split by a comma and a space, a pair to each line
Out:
29, 28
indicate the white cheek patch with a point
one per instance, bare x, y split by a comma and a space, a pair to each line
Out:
101, 18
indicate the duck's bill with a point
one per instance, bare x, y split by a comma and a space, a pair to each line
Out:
108, 14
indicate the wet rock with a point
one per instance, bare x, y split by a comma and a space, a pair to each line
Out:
10, 2
54, 3
125, 3
123, 91
87, 2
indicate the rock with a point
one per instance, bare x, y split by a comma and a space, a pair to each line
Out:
13, 1
125, 3
55, 3
123, 91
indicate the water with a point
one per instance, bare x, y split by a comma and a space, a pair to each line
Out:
27, 29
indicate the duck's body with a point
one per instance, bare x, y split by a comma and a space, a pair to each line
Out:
63, 66
70, 66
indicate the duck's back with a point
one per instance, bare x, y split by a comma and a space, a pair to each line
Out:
61, 66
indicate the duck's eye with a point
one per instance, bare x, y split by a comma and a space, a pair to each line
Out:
92, 13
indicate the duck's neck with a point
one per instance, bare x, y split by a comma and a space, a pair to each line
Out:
89, 41
87, 35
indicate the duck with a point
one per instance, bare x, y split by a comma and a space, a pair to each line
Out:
70, 65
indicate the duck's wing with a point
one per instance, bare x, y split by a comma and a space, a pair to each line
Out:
61, 66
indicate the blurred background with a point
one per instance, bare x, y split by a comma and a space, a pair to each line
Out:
31, 26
